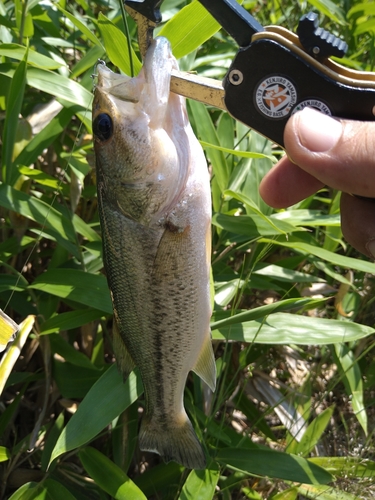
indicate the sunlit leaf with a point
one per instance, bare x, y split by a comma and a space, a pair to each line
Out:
189, 28
114, 396
283, 328
113, 39
109, 476
201, 484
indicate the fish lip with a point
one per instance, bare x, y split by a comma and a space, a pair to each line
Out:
120, 86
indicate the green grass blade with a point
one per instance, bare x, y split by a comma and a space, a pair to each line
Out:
79, 286
114, 38
109, 396
262, 311
189, 28
46, 136
321, 492
109, 476
37, 210
235, 152
284, 328
313, 433
329, 9
350, 372
331, 257
201, 484
356, 467
14, 105
206, 129
28, 491
274, 464
85, 30
69, 320
16, 51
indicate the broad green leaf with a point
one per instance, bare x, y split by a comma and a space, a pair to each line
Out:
74, 381
15, 51
53, 434
289, 494
114, 38
284, 328
313, 433
79, 286
28, 491
14, 105
201, 484
109, 476
69, 353
356, 467
79, 25
285, 274
252, 226
159, 478
350, 372
308, 218
332, 258
88, 61
44, 214
366, 8
40, 177
49, 489
4, 454
206, 129
46, 136
274, 464
262, 311
109, 396
53, 84
321, 492
189, 29
69, 320
54, 490
330, 9
368, 26
59, 86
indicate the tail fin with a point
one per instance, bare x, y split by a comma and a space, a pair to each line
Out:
177, 442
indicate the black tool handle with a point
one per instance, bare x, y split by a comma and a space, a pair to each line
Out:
236, 21
148, 8
267, 82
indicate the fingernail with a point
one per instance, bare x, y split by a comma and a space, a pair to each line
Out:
371, 247
317, 131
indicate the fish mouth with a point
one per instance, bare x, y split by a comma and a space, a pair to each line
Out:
122, 87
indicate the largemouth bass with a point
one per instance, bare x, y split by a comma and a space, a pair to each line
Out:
155, 213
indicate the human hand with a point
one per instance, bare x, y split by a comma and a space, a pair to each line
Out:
327, 151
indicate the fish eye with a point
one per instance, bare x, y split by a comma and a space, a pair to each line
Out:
103, 127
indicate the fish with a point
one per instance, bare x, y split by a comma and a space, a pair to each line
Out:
154, 202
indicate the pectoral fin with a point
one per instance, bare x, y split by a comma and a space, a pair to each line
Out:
124, 361
205, 367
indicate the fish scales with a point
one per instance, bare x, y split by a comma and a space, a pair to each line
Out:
155, 213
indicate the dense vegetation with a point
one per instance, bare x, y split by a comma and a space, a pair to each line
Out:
293, 320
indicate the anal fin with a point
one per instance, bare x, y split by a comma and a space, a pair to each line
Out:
124, 361
205, 366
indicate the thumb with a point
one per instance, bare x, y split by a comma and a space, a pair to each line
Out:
339, 153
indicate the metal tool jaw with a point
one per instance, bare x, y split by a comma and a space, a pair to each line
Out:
274, 73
